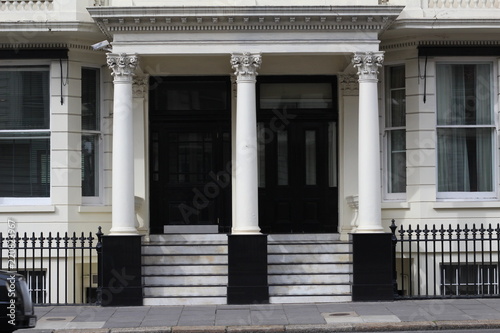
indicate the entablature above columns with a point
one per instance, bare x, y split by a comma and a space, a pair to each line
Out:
195, 30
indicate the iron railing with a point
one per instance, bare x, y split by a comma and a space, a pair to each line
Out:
60, 268
446, 261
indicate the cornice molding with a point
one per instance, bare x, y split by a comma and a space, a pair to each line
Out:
459, 43
113, 20
29, 46
49, 26
445, 23
439, 43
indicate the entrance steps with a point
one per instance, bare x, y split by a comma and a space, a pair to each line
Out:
185, 269
191, 269
309, 268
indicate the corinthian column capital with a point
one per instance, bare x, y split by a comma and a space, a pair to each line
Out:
245, 65
122, 64
367, 64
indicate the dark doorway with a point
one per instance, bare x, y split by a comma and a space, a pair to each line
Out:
297, 155
190, 152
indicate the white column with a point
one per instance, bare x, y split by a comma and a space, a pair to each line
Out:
246, 220
123, 210
369, 192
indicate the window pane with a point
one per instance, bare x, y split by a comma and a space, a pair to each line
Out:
24, 98
397, 76
465, 160
397, 171
398, 108
310, 137
90, 165
464, 94
90, 99
25, 165
282, 158
296, 95
395, 129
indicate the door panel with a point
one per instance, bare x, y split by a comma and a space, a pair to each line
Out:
297, 195
190, 184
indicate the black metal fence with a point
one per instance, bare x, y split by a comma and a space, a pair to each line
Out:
446, 261
59, 268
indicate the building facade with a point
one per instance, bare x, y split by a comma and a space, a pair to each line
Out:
248, 117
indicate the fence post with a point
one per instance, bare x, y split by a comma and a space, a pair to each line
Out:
98, 248
393, 228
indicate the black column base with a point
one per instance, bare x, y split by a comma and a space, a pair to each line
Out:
372, 267
247, 269
121, 272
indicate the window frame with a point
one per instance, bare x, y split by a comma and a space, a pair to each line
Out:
469, 196
96, 199
36, 201
391, 196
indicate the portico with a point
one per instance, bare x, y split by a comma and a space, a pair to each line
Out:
248, 37
259, 153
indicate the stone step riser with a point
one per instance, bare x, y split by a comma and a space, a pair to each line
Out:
308, 258
184, 249
185, 280
184, 301
310, 268
184, 260
308, 299
186, 291
185, 270
308, 248
308, 279
189, 238
316, 238
310, 290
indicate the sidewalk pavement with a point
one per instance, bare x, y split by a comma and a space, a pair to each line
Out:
401, 315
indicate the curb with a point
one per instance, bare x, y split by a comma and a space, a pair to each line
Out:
341, 327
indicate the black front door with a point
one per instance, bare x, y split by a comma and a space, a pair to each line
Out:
296, 192
190, 182
190, 153
297, 155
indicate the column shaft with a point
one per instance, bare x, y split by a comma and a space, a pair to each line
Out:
247, 213
123, 210
369, 213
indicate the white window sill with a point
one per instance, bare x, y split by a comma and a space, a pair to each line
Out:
395, 205
94, 209
466, 204
28, 209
